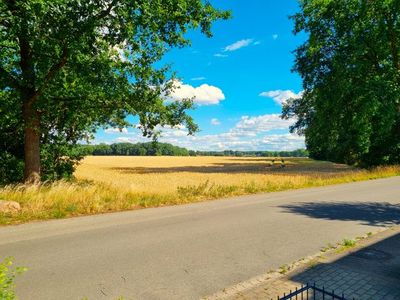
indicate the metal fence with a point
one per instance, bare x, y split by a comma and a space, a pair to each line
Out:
312, 292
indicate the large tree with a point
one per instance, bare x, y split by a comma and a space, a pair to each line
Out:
69, 66
350, 66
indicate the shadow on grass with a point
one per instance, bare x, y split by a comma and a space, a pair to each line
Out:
370, 213
260, 167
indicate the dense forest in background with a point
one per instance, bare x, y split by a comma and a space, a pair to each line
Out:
156, 149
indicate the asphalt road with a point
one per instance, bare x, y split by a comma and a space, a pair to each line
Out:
190, 251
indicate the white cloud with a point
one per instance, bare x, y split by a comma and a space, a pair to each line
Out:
120, 51
126, 139
203, 95
198, 78
227, 141
179, 126
283, 142
116, 130
275, 36
281, 96
249, 133
264, 132
215, 122
220, 55
263, 123
175, 133
237, 45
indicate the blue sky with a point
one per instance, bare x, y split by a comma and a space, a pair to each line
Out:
239, 79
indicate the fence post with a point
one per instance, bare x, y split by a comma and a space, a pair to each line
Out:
307, 290
314, 291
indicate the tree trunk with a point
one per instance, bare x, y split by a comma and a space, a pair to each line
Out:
31, 143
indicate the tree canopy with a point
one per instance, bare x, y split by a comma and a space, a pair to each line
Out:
350, 66
68, 66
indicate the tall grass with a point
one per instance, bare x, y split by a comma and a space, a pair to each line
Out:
82, 197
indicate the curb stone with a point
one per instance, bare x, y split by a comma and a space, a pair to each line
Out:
324, 256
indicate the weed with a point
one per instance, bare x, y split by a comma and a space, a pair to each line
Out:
7, 279
348, 243
284, 269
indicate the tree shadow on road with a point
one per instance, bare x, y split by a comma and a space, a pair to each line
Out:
360, 273
370, 213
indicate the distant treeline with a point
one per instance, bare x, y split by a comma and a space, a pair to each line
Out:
139, 149
157, 149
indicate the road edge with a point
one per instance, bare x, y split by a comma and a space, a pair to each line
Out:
325, 255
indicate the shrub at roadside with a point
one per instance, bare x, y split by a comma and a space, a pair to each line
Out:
7, 279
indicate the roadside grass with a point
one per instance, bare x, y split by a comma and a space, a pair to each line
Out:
348, 243
345, 244
86, 197
284, 269
328, 252
8, 273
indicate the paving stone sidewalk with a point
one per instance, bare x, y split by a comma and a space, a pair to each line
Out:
370, 271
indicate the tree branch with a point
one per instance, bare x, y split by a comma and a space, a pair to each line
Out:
107, 11
53, 71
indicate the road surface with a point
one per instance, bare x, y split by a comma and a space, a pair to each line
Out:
191, 251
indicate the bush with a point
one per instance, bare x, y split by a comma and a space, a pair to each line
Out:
7, 279
57, 162
11, 169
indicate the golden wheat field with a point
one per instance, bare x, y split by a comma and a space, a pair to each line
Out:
165, 174
112, 183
